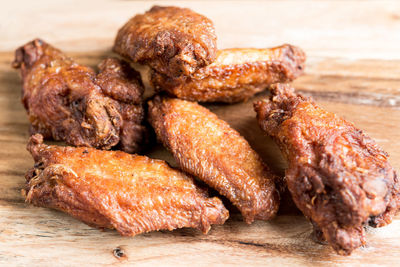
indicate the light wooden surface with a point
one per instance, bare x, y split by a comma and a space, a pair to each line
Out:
353, 69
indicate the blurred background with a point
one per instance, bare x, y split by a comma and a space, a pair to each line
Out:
348, 29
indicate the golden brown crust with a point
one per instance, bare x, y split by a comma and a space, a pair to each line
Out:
208, 148
119, 81
338, 176
67, 101
123, 84
112, 189
172, 40
236, 75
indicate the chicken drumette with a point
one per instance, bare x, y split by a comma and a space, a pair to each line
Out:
67, 101
211, 150
338, 177
112, 189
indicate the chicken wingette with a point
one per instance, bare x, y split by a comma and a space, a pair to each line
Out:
236, 75
208, 148
112, 189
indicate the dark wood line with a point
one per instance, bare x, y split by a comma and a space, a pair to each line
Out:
12, 200
350, 76
358, 98
23, 141
281, 249
250, 243
12, 173
17, 124
9, 156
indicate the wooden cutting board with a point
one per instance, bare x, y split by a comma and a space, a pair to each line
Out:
364, 91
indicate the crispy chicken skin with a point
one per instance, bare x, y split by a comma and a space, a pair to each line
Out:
171, 40
112, 189
338, 177
123, 84
67, 101
209, 149
236, 75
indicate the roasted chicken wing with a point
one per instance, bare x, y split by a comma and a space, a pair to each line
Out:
112, 189
338, 177
208, 148
171, 40
67, 101
236, 74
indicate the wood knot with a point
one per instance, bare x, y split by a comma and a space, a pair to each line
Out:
119, 253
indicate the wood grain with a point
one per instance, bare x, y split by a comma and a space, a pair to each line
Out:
38, 236
351, 29
352, 70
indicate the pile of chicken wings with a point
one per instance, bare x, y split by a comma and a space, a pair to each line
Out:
337, 176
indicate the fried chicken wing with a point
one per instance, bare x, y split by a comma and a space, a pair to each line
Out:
208, 148
171, 40
338, 176
112, 189
236, 74
67, 101
123, 84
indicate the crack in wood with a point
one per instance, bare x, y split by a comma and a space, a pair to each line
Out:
250, 243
